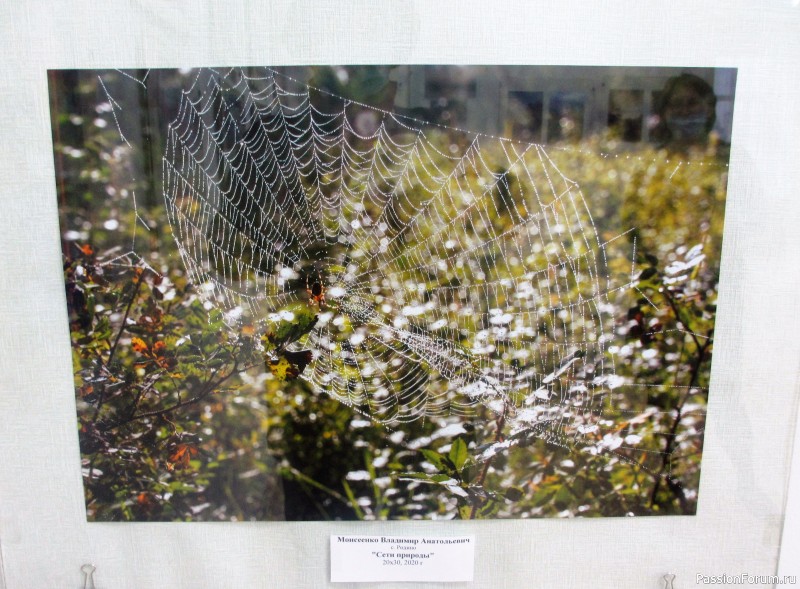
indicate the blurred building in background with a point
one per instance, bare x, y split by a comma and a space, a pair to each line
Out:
545, 104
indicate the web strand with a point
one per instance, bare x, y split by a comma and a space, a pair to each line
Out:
461, 270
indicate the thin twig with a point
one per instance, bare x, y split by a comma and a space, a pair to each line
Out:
209, 389
671, 300
102, 393
674, 486
498, 434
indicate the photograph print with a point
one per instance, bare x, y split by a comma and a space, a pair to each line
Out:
391, 292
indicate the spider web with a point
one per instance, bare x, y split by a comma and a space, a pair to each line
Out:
459, 269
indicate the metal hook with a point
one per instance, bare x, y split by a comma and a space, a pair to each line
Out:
88, 580
668, 579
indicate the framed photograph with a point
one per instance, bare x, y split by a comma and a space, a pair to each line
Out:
379, 292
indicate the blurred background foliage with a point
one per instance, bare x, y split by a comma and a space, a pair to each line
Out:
179, 420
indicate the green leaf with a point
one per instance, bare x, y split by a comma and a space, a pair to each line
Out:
488, 509
352, 499
648, 273
458, 453
514, 494
441, 478
420, 476
563, 496
435, 459
288, 325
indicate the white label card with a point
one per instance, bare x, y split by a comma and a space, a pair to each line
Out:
363, 559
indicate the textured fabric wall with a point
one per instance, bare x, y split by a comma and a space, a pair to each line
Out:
43, 534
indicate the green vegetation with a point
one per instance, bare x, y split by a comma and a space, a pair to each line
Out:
182, 418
